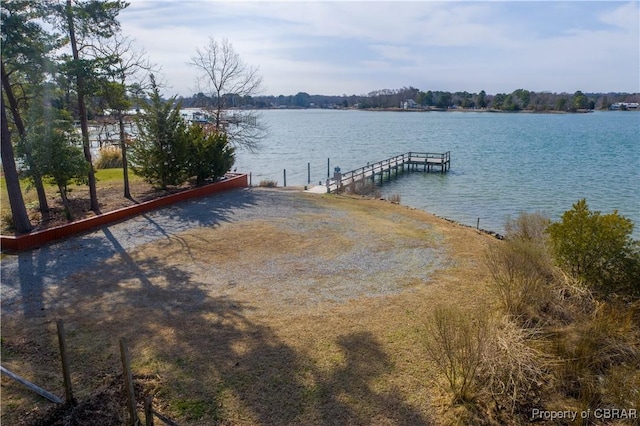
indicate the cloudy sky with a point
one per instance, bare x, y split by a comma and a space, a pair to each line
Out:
354, 47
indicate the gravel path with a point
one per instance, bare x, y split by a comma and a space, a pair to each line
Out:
26, 278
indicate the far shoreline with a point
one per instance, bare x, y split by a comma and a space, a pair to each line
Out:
463, 110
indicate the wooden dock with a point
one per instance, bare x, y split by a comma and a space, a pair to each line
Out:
410, 161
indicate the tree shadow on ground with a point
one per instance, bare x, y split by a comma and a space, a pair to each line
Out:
349, 391
27, 275
210, 361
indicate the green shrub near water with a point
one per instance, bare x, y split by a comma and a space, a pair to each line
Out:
588, 336
597, 249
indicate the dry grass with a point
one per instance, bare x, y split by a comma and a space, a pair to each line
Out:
298, 320
259, 350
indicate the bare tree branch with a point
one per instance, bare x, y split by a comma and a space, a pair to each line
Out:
223, 75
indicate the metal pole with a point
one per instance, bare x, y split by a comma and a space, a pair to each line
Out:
328, 171
308, 173
285, 178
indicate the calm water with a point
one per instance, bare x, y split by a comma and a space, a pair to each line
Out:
501, 164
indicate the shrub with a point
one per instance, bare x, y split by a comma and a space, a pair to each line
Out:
527, 226
364, 188
455, 342
209, 156
607, 339
522, 274
110, 157
597, 248
512, 371
268, 183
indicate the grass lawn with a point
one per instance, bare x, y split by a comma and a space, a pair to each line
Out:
109, 183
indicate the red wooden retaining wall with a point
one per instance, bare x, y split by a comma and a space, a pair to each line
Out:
38, 238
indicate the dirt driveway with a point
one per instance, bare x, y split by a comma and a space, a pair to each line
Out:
245, 305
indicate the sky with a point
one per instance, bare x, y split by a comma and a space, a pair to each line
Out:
355, 47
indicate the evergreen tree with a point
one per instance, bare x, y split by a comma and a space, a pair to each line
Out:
210, 156
159, 153
26, 62
55, 148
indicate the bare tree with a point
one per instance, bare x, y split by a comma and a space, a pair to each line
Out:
224, 77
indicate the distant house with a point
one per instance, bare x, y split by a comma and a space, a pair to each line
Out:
195, 115
624, 105
409, 104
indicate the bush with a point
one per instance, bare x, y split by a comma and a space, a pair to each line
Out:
455, 342
522, 273
606, 340
512, 371
597, 248
365, 188
528, 227
209, 156
109, 158
268, 183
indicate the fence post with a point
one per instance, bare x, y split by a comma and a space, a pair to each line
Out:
66, 372
148, 411
128, 381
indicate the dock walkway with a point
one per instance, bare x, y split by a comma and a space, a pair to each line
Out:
411, 161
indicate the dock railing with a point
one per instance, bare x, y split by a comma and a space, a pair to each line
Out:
411, 159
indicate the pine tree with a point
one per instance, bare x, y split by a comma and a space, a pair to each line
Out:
159, 153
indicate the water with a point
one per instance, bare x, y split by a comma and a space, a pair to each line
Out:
501, 164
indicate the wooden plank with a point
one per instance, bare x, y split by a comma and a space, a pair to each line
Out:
37, 389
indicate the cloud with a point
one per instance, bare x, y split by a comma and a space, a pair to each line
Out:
336, 47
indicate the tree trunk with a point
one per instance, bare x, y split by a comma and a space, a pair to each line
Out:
123, 149
82, 111
18, 212
65, 201
17, 119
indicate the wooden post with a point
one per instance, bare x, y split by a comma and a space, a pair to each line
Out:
285, 177
148, 411
66, 371
128, 381
308, 173
250, 184
478, 224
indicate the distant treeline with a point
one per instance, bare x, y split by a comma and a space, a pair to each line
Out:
412, 98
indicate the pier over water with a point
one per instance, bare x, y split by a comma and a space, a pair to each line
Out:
410, 161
